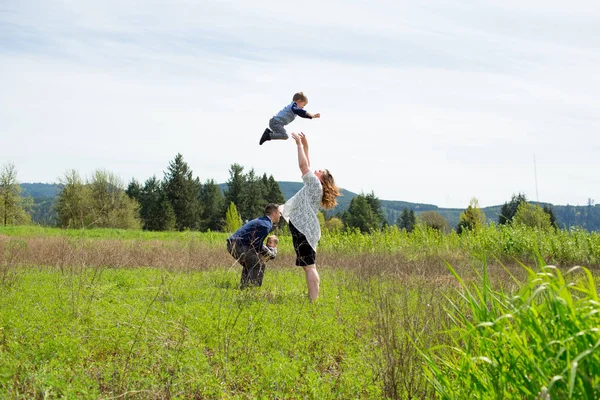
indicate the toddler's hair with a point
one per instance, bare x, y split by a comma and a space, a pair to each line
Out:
274, 238
300, 96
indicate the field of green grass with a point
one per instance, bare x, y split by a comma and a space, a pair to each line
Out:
130, 314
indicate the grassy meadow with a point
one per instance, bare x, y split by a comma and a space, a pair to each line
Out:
116, 314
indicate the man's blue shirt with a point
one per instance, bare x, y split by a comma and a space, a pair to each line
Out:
253, 233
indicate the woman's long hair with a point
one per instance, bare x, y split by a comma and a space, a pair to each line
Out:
330, 191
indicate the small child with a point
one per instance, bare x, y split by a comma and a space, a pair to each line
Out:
270, 250
276, 129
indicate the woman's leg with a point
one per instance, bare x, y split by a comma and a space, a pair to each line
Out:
312, 281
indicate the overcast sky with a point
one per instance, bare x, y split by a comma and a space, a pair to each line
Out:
433, 102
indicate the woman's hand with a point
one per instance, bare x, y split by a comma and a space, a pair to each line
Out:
303, 139
303, 162
298, 138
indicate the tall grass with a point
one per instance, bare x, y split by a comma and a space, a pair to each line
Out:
540, 342
506, 242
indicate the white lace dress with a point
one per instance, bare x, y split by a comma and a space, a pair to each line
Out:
302, 209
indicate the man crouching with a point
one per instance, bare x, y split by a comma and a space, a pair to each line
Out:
246, 246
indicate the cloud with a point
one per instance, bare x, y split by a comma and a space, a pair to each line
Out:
429, 102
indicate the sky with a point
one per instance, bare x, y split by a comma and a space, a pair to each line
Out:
432, 102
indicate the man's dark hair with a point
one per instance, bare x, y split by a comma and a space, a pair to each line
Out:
270, 208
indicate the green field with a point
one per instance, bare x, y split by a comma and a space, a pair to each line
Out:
132, 314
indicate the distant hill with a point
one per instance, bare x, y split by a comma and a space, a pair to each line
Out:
567, 216
44, 195
41, 189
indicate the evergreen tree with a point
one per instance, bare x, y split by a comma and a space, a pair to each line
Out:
235, 186
375, 205
508, 210
156, 210
472, 218
407, 220
412, 218
183, 192
13, 207
264, 181
589, 215
252, 197
233, 221
133, 190
548, 210
360, 215
274, 194
212, 201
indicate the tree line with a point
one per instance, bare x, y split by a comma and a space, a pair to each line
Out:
179, 201
365, 214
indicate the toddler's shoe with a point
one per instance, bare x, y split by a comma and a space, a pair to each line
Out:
265, 136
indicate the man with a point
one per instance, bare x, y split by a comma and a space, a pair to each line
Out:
246, 245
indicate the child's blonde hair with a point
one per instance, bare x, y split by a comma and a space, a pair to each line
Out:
274, 238
300, 96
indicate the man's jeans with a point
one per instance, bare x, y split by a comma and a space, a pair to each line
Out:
253, 268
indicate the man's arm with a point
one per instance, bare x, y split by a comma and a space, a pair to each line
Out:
259, 236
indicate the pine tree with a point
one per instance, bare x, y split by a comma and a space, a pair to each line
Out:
133, 189
360, 215
472, 218
13, 207
375, 205
264, 180
274, 194
508, 210
235, 185
156, 210
252, 197
212, 202
183, 192
548, 210
412, 219
407, 220
233, 221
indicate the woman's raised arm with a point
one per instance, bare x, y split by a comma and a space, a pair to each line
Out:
302, 158
304, 141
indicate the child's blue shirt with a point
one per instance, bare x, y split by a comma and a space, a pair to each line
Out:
289, 112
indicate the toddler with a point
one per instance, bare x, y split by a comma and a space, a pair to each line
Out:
269, 251
276, 129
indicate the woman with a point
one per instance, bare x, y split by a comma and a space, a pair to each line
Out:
301, 211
